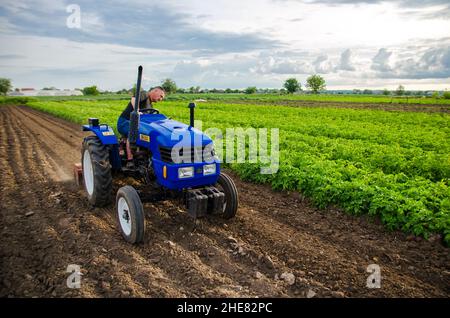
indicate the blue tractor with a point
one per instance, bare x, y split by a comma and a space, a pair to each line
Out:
171, 160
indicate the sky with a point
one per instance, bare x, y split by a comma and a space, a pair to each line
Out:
226, 43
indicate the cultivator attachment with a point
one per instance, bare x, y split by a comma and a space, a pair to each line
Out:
203, 201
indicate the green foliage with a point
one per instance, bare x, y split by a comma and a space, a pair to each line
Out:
90, 90
386, 92
292, 85
250, 90
273, 98
169, 86
316, 83
5, 86
446, 95
400, 90
15, 100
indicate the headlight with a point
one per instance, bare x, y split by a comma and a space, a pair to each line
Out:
209, 169
185, 172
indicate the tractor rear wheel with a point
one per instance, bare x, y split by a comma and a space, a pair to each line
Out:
96, 171
130, 215
231, 202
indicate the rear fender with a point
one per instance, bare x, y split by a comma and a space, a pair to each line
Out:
107, 137
104, 133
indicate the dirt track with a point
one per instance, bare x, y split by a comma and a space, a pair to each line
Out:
326, 250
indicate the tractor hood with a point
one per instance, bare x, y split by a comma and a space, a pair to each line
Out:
168, 133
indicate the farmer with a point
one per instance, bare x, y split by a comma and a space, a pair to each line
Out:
154, 95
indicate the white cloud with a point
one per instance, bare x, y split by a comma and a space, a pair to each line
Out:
346, 63
381, 61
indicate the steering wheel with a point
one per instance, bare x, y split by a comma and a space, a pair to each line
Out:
149, 111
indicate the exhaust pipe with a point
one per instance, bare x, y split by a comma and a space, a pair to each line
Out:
191, 121
134, 116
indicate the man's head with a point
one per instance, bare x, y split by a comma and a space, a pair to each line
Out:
156, 94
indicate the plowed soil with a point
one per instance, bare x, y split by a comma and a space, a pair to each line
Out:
46, 224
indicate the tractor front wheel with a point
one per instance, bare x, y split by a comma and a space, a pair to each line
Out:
96, 171
227, 186
130, 215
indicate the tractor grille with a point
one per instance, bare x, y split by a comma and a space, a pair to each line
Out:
187, 155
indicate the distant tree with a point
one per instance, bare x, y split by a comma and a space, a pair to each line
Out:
250, 90
367, 92
228, 90
90, 90
122, 91
386, 92
194, 90
446, 95
356, 91
5, 86
419, 93
181, 90
292, 85
169, 86
408, 93
316, 83
435, 95
49, 88
400, 90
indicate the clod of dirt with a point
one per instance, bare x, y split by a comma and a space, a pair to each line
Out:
267, 261
64, 223
29, 213
125, 293
239, 250
291, 262
232, 240
310, 294
338, 294
105, 285
289, 278
258, 275
171, 244
435, 238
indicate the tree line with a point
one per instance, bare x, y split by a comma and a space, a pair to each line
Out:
314, 83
